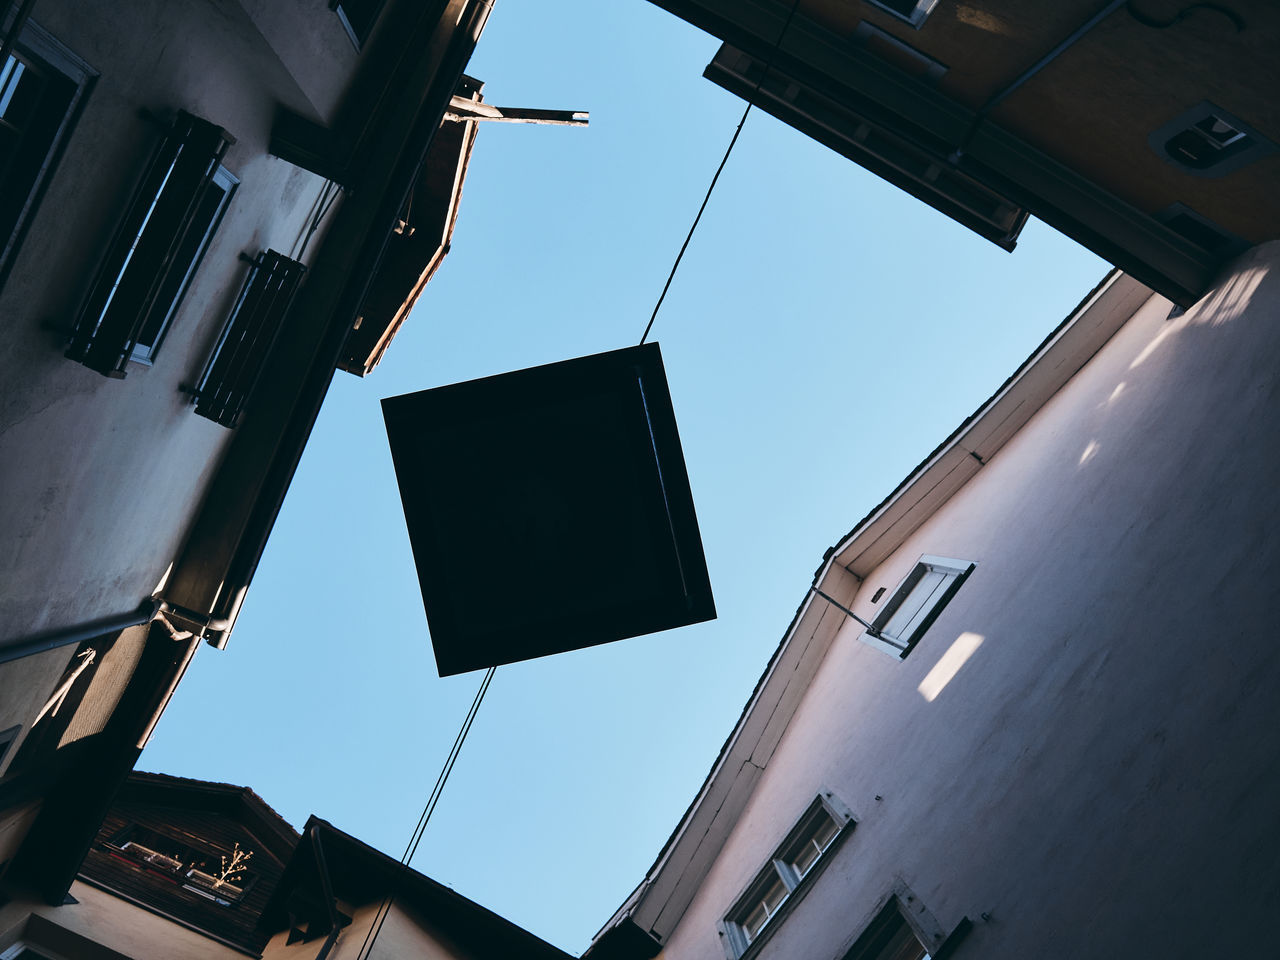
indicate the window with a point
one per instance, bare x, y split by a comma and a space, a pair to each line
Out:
241, 352
916, 603
156, 249
786, 876
189, 254
914, 12
889, 937
1207, 141
42, 84
904, 930
358, 17
215, 874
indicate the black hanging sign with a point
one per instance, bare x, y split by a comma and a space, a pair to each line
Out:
549, 509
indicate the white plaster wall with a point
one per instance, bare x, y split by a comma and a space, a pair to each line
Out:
99, 478
1102, 775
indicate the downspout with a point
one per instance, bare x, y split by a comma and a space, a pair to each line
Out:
79, 634
326, 887
244, 563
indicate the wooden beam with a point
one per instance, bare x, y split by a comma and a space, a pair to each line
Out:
462, 108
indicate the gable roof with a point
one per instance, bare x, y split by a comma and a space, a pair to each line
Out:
332, 863
195, 825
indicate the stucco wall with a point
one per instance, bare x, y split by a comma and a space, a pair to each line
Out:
1101, 775
99, 477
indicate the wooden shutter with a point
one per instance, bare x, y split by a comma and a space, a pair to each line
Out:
251, 330
142, 252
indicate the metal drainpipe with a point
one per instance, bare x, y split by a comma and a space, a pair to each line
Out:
78, 634
1000, 96
244, 563
326, 889
19, 21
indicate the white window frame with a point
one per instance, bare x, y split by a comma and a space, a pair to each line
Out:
921, 597
916, 18
738, 942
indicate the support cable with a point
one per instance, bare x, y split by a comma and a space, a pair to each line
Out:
777, 44
371, 937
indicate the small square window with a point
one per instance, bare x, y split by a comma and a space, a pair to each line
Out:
1207, 141
914, 12
927, 589
786, 876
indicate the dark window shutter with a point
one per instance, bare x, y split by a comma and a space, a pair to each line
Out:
246, 340
132, 275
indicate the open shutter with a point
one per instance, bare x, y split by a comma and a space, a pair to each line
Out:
251, 330
131, 276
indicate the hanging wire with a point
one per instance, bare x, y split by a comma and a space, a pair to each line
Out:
371, 937
777, 44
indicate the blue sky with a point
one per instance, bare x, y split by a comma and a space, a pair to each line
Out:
824, 333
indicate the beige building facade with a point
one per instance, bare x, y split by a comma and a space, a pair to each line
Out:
1054, 734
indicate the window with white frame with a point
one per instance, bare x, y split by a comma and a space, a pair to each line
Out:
914, 12
785, 878
921, 596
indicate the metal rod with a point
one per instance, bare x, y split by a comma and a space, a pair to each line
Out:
843, 609
80, 633
1052, 55
999, 97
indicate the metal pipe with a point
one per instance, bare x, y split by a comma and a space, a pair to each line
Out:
15, 29
79, 634
326, 891
205, 621
1001, 95
843, 609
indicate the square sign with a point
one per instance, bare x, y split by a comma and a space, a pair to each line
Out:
548, 509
